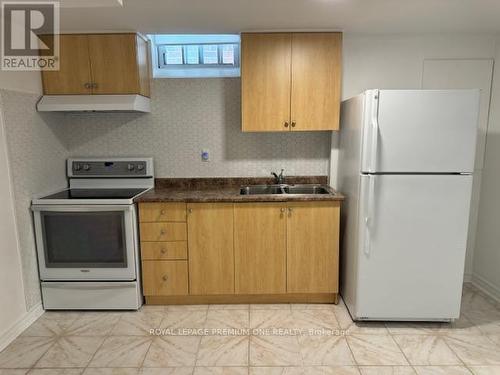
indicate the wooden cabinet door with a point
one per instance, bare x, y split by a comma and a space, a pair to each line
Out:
73, 76
260, 248
313, 247
114, 64
163, 232
265, 81
211, 255
160, 212
316, 81
165, 278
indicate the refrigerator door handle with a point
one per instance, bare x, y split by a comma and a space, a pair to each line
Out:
369, 217
374, 135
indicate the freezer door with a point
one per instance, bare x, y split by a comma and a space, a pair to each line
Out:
411, 253
422, 131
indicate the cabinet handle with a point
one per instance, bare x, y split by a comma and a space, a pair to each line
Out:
282, 209
290, 209
94, 85
286, 124
163, 231
165, 278
293, 124
190, 210
163, 251
163, 212
87, 85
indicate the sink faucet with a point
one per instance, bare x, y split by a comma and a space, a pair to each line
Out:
279, 178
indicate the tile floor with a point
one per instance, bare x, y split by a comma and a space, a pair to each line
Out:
255, 340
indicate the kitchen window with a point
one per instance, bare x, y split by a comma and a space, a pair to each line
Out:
195, 56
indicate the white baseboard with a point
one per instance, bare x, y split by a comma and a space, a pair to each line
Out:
467, 278
486, 287
18, 327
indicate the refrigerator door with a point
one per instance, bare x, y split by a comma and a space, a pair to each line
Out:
411, 252
420, 131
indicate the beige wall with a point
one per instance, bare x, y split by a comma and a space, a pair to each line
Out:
11, 283
37, 153
15, 311
21, 81
487, 250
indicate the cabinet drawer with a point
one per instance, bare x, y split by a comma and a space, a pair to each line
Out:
164, 250
163, 231
154, 212
165, 277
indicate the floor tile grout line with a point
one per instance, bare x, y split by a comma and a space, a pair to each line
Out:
199, 344
93, 355
401, 350
300, 350
55, 339
469, 369
445, 339
105, 337
249, 339
147, 352
351, 351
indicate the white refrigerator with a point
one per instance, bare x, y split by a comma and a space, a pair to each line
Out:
405, 165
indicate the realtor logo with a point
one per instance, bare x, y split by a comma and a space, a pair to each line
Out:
30, 35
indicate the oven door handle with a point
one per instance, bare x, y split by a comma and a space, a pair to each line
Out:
82, 208
88, 285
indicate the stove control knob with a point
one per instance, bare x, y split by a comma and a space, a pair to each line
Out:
140, 167
78, 167
86, 167
130, 167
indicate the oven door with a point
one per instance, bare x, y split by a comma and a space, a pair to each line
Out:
86, 242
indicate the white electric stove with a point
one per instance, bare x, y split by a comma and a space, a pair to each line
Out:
87, 236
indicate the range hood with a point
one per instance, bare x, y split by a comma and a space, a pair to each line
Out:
94, 103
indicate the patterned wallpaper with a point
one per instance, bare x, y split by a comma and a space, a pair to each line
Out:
191, 115
37, 151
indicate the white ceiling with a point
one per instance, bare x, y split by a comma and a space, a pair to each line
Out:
231, 16
89, 3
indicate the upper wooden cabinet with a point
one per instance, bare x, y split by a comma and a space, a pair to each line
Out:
73, 76
265, 81
316, 78
100, 64
290, 81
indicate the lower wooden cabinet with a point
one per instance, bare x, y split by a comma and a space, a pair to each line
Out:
211, 255
312, 247
171, 250
163, 232
165, 277
162, 212
241, 252
260, 248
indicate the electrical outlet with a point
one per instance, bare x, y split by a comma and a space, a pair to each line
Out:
205, 155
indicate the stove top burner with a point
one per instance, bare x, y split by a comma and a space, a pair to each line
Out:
95, 194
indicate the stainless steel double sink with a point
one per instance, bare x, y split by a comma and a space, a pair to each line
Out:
284, 189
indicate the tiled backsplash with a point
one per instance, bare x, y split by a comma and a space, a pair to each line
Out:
191, 115
37, 150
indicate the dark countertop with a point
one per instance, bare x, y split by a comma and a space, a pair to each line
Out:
228, 190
